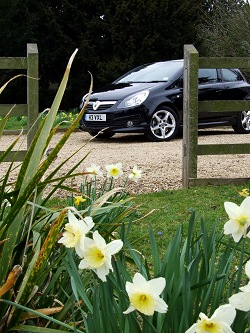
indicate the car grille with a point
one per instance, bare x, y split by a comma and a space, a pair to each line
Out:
99, 106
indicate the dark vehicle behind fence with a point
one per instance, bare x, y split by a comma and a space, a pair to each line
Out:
149, 100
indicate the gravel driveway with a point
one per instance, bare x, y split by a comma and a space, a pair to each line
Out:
161, 163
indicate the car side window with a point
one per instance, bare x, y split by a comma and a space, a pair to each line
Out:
207, 75
229, 75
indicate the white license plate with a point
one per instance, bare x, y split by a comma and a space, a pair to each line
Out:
95, 117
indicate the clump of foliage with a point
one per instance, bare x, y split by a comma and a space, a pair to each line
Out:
75, 269
63, 119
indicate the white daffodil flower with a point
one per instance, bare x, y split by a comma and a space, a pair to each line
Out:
75, 232
95, 170
114, 170
144, 295
241, 300
97, 255
136, 174
239, 219
220, 321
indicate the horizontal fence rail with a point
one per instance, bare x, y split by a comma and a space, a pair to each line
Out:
17, 110
13, 63
221, 106
30, 64
191, 107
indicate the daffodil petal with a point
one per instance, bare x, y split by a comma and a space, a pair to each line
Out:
237, 235
114, 247
191, 329
232, 209
130, 309
241, 301
157, 285
98, 239
89, 221
83, 264
245, 205
246, 289
79, 250
230, 227
247, 268
102, 272
227, 329
160, 305
129, 287
88, 242
225, 313
139, 280
71, 217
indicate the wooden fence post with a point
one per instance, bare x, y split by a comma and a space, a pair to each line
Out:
190, 114
32, 91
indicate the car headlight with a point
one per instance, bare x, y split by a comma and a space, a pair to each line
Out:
83, 101
134, 100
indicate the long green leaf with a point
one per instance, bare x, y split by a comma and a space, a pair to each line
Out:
48, 318
47, 246
29, 328
155, 253
34, 155
73, 271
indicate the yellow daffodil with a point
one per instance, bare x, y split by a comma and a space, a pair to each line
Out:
241, 300
220, 321
97, 255
136, 174
75, 232
95, 170
144, 295
79, 199
239, 219
244, 192
114, 170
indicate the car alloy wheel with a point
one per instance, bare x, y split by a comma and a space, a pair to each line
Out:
164, 125
242, 125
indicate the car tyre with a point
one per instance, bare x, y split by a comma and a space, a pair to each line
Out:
164, 124
242, 125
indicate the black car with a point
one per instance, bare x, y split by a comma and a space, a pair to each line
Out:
149, 100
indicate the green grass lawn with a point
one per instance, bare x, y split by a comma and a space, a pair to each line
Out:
172, 208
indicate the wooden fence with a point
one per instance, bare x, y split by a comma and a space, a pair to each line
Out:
29, 63
191, 107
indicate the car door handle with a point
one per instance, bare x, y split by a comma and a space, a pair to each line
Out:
219, 91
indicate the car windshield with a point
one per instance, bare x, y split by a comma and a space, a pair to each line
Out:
156, 72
